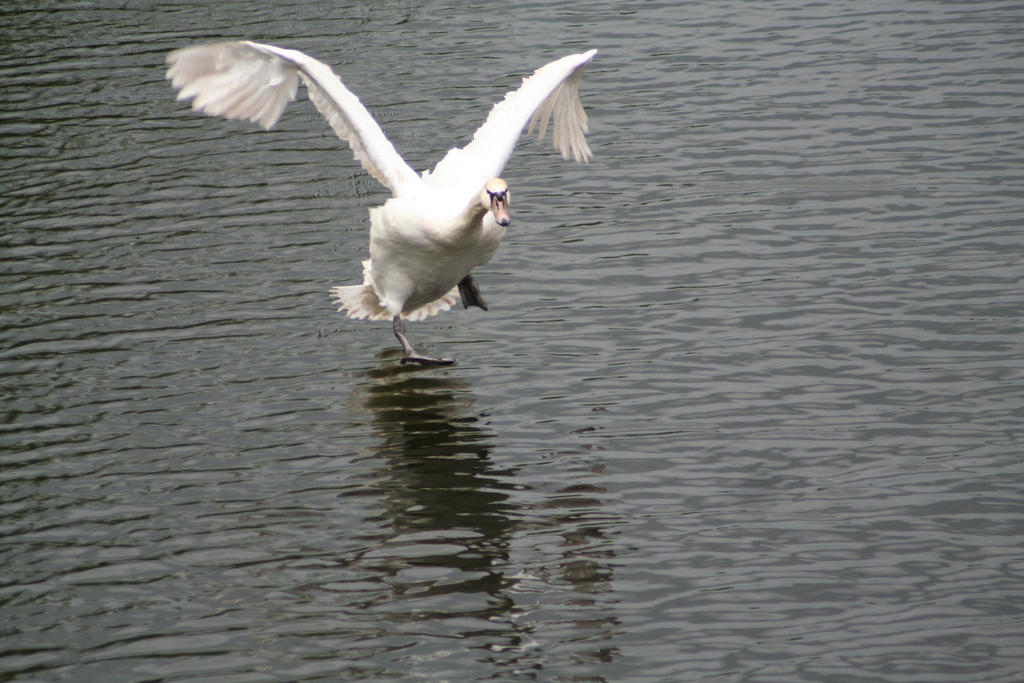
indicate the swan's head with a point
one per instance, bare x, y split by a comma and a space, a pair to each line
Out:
497, 198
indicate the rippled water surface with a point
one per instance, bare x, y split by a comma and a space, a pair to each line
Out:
748, 403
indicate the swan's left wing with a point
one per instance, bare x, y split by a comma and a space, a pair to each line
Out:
253, 81
552, 92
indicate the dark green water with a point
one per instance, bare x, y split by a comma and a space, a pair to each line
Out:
747, 403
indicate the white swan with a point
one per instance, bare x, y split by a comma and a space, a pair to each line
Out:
436, 228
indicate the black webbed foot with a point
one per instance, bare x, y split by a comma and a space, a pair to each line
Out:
470, 294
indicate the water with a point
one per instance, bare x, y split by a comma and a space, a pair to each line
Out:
747, 404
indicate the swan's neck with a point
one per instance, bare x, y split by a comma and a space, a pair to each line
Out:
473, 215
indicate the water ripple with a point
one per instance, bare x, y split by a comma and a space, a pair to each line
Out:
746, 404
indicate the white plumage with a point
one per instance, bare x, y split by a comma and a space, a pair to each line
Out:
427, 238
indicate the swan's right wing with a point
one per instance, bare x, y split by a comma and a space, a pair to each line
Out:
254, 81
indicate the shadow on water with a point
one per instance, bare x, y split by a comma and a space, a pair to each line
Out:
450, 553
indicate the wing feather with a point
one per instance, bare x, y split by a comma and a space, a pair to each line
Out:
570, 125
254, 82
550, 94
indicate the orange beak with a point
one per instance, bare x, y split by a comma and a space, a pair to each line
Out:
499, 207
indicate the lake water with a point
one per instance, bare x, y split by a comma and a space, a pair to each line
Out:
748, 403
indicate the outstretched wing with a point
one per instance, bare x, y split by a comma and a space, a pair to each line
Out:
253, 81
552, 92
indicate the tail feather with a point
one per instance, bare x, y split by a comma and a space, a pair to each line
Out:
434, 307
361, 301
358, 302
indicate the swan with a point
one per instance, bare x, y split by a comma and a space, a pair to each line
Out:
436, 227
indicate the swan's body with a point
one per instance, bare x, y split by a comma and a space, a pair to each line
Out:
436, 228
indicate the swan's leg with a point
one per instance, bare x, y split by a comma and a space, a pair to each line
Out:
409, 354
470, 294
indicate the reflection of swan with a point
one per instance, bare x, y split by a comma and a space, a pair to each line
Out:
436, 483
437, 227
